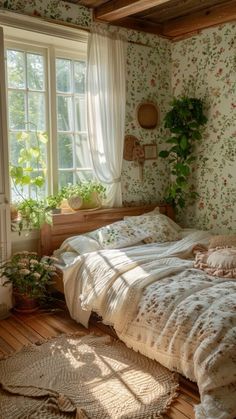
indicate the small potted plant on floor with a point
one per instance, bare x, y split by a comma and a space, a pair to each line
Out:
30, 276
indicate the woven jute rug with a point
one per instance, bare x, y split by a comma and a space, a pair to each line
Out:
83, 377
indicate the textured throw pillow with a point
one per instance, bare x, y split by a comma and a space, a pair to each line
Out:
223, 241
118, 234
158, 227
217, 262
74, 246
83, 244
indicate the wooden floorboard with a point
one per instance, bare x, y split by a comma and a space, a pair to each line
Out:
21, 329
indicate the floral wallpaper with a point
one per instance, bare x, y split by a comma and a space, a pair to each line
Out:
50, 9
204, 66
148, 78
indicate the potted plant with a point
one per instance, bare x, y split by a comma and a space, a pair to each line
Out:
33, 214
53, 203
84, 195
185, 122
30, 276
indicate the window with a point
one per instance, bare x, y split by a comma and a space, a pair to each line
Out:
26, 80
73, 152
46, 93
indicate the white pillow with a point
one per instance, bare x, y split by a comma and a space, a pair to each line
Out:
79, 244
156, 210
118, 234
84, 244
158, 227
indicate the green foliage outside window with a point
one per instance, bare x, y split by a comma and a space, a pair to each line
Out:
31, 167
27, 99
29, 175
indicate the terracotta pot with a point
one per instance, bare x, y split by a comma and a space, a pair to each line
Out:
15, 216
5, 298
25, 304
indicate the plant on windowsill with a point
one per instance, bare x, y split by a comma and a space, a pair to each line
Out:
30, 276
33, 214
53, 203
84, 195
185, 122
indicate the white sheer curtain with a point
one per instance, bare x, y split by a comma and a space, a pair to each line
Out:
106, 76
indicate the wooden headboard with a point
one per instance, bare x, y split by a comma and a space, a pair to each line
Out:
82, 221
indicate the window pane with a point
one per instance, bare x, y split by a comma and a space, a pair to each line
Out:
17, 116
38, 193
15, 69
17, 191
35, 142
82, 152
14, 194
15, 147
73, 150
35, 71
65, 178
64, 113
36, 105
84, 176
63, 76
80, 113
65, 151
79, 74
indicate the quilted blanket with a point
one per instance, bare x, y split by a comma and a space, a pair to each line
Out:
163, 307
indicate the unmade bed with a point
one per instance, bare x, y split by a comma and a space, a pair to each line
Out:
158, 302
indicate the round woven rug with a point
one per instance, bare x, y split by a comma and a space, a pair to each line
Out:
83, 377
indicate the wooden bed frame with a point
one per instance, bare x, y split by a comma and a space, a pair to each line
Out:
82, 221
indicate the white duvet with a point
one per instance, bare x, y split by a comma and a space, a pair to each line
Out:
162, 307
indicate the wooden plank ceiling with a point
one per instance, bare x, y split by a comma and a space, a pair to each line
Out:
169, 18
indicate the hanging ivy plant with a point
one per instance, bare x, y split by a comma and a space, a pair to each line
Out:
185, 122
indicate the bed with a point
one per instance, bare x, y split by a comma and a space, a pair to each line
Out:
156, 300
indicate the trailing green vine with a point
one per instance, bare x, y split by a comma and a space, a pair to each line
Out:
185, 122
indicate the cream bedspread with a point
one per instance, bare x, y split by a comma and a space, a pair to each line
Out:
161, 306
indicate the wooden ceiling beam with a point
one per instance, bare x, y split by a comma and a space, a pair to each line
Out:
90, 3
208, 17
140, 25
119, 9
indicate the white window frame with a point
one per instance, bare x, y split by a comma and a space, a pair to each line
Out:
5, 224
31, 48
52, 46
64, 54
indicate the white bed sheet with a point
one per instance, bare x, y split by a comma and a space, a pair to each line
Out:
161, 306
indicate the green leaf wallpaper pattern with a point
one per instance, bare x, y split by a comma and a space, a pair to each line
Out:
202, 66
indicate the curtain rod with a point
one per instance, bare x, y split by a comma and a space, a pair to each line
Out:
73, 26
28, 22
83, 28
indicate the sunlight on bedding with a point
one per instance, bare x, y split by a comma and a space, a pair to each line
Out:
163, 307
